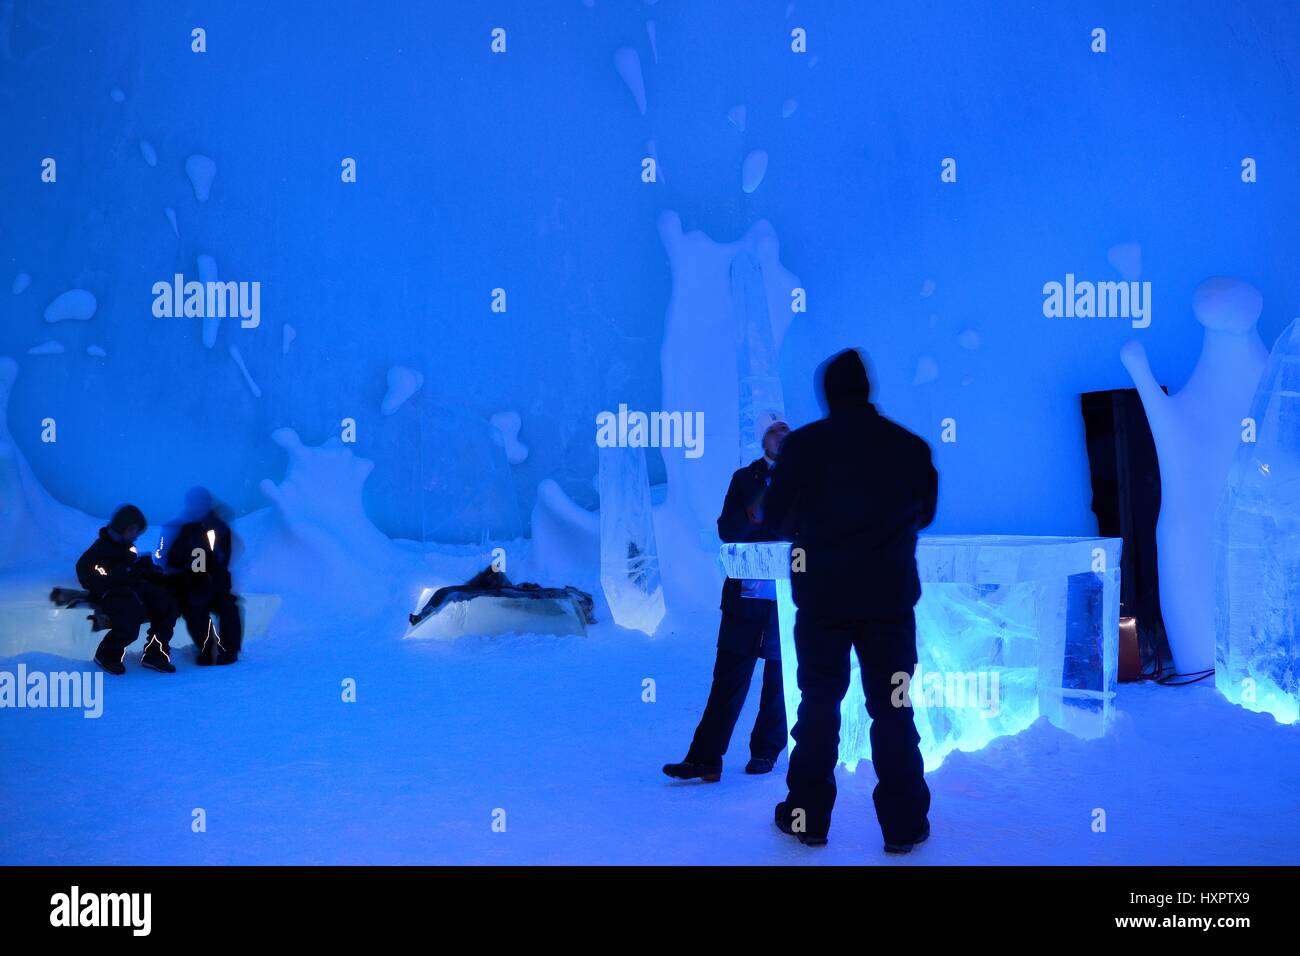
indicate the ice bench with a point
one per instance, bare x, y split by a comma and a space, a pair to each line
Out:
31, 622
1009, 628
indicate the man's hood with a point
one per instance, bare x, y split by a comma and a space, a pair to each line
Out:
842, 382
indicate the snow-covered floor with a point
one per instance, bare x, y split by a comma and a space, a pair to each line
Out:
554, 732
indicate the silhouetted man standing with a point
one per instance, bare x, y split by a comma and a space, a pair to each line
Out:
852, 490
747, 633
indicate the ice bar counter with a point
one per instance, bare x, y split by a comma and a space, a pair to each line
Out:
1009, 629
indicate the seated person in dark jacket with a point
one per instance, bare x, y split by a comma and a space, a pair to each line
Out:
128, 587
198, 559
852, 490
748, 632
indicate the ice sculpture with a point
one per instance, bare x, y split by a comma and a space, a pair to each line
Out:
756, 358
698, 328
1008, 629
317, 530
629, 560
1257, 549
1196, 433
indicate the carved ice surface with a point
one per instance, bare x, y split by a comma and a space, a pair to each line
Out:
1257, 549
629, 559
756, 358
1009, 629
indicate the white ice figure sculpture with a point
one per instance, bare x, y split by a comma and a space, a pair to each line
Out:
756, 358
1257, 549
629, 560
1196, 432
1009, 629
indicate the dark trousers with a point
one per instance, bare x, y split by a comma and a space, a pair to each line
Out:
198, 609
732, 674
885, 647
129, 607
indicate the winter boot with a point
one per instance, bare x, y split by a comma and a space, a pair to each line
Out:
785, 822
111, 661
690, 771
156, 657
899, 848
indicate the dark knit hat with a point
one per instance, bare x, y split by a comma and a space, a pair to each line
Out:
126, 516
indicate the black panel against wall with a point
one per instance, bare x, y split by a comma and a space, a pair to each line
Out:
1126, 500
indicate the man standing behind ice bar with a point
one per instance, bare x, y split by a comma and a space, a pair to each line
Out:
748, 632
851, 491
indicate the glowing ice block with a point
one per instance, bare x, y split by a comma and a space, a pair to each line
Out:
1257, 548
629, 559
1009, 628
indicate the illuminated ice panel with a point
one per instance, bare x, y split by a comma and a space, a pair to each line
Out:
1009, 628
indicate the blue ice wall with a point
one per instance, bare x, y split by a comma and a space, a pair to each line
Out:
522, 171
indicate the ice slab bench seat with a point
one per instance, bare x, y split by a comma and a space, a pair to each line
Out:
505, 610
1009, 628
29, 622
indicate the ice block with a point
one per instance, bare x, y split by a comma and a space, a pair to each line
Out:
1009, 628
629, 558
1257, 548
